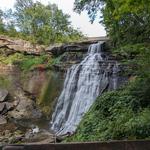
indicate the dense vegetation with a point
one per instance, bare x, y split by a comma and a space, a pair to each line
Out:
29, 62
38, 23
124, 113
126, 21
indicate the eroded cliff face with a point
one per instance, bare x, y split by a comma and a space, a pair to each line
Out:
11, 45
78, 47
57, 56
25, 102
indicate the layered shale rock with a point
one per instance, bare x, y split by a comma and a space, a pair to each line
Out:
11, 46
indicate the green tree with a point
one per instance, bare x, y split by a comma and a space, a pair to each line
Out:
45, 24
22, 21
9, 22
126, 21
124, 113
1, 22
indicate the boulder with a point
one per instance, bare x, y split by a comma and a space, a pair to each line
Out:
26, 108
3, 95
6, 106
42, 136
9, 106
2, 120
2, 105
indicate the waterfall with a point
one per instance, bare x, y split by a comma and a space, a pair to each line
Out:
83, 84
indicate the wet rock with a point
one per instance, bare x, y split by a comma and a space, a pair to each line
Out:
42, 136
3, 95
2, 120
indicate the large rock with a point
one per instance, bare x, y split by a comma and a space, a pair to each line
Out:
2, 120
60, 49
9, 106
26, 108
6, 106
82, 46
2, 105
3, 94
18, 45
42, 137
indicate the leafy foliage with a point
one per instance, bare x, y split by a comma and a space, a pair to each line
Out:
126, 21
121, 114
27, 62
38, 23
124, 113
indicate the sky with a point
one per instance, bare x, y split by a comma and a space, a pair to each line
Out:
78, 21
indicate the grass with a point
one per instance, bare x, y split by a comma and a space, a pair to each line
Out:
28, 62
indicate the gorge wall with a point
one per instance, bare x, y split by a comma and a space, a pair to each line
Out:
84, 82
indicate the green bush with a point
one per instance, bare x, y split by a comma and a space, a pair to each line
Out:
116, 115
124, 113
26, 62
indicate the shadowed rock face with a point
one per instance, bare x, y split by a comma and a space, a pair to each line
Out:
83, 84
59, 49
3, 94
26, 107
11, 46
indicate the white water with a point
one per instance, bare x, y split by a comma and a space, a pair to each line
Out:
83, 84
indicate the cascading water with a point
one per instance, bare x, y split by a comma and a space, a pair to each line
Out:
83, 84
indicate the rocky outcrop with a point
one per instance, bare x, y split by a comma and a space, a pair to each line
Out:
82, 46
17, 45
3, 94
10, 45
26, 107
10, 134
60, 49
15, 108
4, 106
41, 136
2, 120
21, 106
